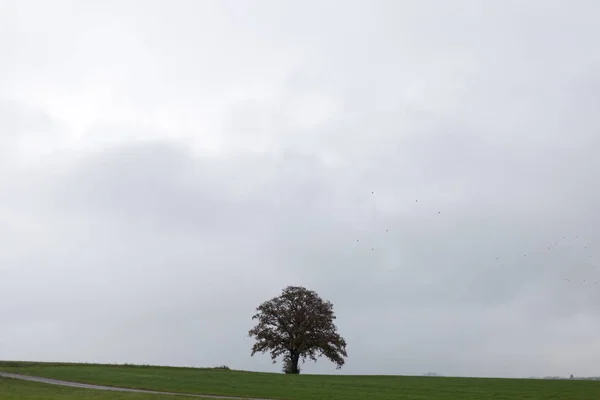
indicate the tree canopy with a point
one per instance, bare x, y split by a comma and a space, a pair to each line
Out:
298, 325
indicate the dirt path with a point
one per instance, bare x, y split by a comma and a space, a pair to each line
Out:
113, 389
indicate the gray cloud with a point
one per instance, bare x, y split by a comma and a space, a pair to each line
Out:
413, 163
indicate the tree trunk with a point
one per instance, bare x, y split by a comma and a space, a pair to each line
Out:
293, 363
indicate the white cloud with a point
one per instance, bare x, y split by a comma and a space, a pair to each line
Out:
165, 167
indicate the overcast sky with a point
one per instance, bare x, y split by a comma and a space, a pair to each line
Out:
430, 167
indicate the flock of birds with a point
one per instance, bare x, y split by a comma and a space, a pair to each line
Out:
554, 245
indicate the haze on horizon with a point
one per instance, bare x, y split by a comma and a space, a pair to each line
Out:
431, 167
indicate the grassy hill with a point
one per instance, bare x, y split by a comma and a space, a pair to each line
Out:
12, 389
298, 387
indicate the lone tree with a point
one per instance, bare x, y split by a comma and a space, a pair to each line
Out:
298, 325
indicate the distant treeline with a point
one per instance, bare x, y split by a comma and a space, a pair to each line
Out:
579, 378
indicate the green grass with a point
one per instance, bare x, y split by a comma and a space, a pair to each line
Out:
12, 389
308, 387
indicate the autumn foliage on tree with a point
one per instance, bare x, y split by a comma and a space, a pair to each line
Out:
297, 325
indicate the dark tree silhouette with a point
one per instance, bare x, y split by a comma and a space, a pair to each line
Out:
297, 325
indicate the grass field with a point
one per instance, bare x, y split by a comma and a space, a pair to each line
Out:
290, 387
12, 389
